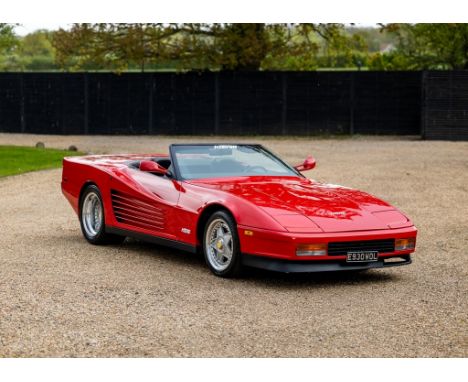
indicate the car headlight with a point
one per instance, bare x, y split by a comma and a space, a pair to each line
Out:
319, 249
405, 244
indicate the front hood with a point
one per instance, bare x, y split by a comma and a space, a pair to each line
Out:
302, 205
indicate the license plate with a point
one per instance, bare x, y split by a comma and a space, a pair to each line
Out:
362, 256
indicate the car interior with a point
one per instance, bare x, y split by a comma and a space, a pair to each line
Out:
205, 168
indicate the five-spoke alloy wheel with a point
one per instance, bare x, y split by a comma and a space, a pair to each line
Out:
92, 214
221, 245
92, 218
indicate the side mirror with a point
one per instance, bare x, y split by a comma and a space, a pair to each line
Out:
150, 166
308, 164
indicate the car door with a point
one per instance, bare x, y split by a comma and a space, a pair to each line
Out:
146, 203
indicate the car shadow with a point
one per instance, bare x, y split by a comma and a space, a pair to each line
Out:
260, 276
172, 255
253, 276
319, 279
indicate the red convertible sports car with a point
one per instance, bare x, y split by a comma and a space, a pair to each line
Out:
240, 205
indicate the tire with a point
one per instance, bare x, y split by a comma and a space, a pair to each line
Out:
92, 220
221, 246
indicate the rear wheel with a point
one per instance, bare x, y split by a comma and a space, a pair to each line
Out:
221, 245
92, 221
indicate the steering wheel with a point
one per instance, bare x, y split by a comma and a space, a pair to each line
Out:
255, 169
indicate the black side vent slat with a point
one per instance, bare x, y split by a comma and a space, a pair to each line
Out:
343, 247
132, 211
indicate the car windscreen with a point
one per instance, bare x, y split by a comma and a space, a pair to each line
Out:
213, 161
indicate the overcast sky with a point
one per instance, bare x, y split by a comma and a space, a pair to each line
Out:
24, 29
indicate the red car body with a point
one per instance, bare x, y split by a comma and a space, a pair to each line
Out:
274, 214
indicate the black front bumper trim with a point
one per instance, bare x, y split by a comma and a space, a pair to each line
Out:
290, 266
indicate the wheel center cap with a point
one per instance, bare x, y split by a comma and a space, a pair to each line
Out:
220, 244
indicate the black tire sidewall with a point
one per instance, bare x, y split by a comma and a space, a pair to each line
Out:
234, 267
101, 234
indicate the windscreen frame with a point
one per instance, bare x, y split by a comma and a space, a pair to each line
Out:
179, 176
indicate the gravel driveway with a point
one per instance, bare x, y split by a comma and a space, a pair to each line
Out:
60, 296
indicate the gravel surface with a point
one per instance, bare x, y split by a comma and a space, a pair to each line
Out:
60, 296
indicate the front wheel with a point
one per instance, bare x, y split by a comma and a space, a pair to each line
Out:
92, 219
221, 245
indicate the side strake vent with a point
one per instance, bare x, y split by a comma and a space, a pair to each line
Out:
135, 212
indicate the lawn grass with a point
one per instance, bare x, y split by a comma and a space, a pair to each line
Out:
17, 159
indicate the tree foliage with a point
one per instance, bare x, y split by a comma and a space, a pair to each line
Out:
425, 46
186, 46
31, 52
198, 46
8, 39
8, 42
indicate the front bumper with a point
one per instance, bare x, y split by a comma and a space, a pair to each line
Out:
283, 245
300, 266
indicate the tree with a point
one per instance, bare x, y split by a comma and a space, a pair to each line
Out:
226, 46
8, 39
8, 43
35, 51
111, 46
428, 46
31, 52
195, 46
36, 44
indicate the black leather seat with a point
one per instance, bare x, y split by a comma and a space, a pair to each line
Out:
162, 161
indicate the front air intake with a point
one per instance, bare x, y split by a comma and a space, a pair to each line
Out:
343, 247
